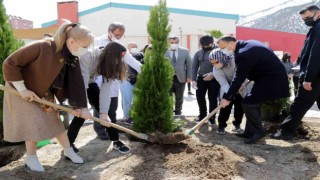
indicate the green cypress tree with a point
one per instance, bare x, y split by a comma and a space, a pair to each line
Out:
214, 33
152, 108
8, 44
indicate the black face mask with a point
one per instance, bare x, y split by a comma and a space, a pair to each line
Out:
309, 21
207, 48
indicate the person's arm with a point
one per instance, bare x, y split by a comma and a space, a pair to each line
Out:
188, 67
313, 67
195, 66
132, 62
13, 65
86, 61
105, 97
243, 68
221, 78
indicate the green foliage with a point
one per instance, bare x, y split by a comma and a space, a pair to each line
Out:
214, 33
8, 44
272, 110
152, 108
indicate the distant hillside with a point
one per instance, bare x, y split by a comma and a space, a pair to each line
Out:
283, 17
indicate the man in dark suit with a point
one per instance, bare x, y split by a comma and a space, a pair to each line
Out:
258, 63
309, 77
181, 62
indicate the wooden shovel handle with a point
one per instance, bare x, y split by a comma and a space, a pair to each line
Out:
204, 120
101, 121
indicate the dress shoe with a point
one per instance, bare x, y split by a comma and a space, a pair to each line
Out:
255, 137
280, 135
244, 135
302, 131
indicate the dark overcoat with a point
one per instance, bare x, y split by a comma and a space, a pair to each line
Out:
259, 64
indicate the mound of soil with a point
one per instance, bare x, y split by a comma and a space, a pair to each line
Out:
205, 155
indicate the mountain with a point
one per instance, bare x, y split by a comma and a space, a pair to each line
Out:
282, 17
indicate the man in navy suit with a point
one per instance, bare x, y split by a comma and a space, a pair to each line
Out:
259, 64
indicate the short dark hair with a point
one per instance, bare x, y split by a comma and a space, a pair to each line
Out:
312, 8
206, 40
227, 38
174, 37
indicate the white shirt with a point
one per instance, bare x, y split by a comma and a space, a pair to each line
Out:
175, 53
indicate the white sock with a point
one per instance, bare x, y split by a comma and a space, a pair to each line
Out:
69, 152
33, 163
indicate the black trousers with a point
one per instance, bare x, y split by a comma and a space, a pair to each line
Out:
212, 88
178, 90
253, 115
224, 113
301, 104
189, 86
296, 84
93, 95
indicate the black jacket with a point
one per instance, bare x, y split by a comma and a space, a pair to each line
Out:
310, 55
259, 64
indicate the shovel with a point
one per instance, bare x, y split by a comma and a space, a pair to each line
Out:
101, 121
204, 120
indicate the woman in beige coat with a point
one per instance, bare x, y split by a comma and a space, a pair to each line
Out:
45, 69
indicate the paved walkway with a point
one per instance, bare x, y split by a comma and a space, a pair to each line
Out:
190, 107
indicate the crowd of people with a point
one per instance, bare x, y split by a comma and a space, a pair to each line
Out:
74, 65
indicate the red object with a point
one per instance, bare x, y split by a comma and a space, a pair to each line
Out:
276, 40
67, 10
188, 41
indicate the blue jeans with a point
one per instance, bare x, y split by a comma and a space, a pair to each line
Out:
126, 89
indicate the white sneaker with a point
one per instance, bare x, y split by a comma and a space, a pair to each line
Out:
71, 155
32, 163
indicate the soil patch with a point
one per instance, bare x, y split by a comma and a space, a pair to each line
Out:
205, 155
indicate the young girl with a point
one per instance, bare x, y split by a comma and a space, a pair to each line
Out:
224, 71
109, 63
45, 69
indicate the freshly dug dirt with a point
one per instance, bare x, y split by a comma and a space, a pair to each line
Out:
205, 155
170, 138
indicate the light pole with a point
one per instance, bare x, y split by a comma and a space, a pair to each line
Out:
180, 32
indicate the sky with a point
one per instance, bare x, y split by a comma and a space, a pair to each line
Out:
42, 11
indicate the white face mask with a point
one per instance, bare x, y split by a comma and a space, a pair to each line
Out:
81, 51
114, 39
174, 46
227, 52
218, 65
134, 51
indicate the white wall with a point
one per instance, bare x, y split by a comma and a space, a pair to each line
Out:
136, 25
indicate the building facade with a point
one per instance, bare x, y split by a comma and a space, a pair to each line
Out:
19, 23
189, 25
276, 40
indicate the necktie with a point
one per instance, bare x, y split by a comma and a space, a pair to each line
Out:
174, 59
